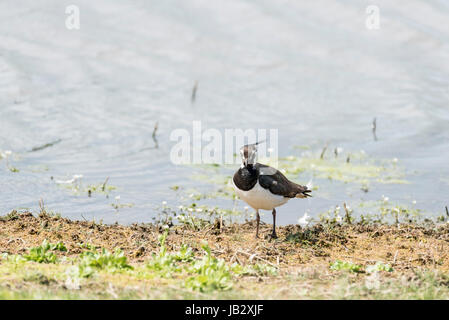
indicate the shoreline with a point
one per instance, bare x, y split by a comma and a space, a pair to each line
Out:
322, 261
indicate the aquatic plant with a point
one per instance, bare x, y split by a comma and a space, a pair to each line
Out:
7, 155
360, 169
118, 205
76, 186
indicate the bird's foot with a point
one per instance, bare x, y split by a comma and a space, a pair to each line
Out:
273, 235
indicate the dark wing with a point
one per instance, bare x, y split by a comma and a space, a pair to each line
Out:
277, 183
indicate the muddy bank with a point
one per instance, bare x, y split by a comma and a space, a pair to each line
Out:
403, 246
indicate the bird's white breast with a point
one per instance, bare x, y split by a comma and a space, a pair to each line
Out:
260, 198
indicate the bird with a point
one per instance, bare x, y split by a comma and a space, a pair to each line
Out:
264, 187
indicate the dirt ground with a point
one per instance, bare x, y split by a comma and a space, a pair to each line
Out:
403, 246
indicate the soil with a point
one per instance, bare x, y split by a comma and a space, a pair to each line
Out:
404, 246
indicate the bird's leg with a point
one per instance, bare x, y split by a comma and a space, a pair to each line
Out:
273, 234
257, 223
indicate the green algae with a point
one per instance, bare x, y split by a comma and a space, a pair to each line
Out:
359, 169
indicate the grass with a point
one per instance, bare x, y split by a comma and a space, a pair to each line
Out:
346, 266
379, 266
209, 273
93, 260
47, 256
45, 252
204, 274
31, 280
94, 268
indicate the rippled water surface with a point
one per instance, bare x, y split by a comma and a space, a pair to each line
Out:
312, 70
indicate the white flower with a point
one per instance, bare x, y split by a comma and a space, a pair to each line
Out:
164, 203
190, 209
8, 153
338, 218
180, 207
395, 160
270, 150
246, 208
414, 201
117, 198
304, 220
385, 199
199, 210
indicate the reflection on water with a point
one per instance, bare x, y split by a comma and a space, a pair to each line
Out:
87, 101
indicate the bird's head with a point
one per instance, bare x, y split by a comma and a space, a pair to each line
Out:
249, 154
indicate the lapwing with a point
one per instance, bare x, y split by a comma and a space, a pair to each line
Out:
264, 187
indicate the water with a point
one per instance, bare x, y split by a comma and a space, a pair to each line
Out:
313, 71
